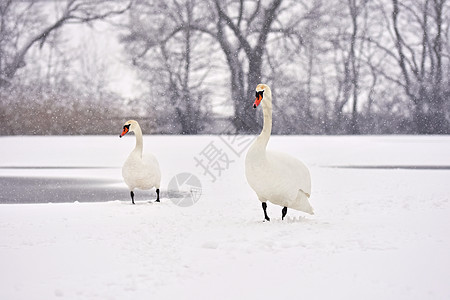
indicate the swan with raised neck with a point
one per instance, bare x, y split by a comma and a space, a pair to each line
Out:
275, 177
140, 170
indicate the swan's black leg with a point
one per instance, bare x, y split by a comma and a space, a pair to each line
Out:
283, 212
132, 197
264, 206
157, 195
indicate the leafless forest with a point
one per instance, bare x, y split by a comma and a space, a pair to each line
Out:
335, 67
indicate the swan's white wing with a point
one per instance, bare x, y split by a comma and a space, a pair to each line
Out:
292, 180
152, 167
142, 173
293, 172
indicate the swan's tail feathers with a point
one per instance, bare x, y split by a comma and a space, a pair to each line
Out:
302, 203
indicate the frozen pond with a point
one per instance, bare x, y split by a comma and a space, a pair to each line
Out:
19, 189
380, 226
32, 189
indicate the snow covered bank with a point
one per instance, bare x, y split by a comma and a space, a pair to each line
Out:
377, 233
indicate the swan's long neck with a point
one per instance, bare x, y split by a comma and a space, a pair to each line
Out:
263, 138
139, 143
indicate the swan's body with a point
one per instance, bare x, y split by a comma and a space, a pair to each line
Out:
140, 171
276, 177
281, 179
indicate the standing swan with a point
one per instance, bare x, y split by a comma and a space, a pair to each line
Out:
140, 170
274, 176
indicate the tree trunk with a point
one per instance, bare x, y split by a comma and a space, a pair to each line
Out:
238, 97
438, 123
253, 79
245, 115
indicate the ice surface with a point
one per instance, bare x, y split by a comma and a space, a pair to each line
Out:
377, 233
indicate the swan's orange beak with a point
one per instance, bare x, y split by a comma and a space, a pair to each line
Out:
125, 130
257, 100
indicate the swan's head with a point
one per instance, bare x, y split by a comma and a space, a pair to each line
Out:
262, 91
128, 127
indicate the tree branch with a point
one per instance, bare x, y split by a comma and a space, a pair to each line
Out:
242, 40
401, 54
268, 20
72, 8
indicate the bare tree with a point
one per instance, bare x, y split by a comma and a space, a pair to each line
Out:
347, 66
422, 60
258, 31
174, 60
42, 97
245, 31
22, 26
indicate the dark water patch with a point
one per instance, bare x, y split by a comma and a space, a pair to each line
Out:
59, 190
54, 168
393, 167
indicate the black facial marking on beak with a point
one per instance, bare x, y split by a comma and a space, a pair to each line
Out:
125, 130
260, 93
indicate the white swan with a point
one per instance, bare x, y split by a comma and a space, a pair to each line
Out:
140, 170
274, 176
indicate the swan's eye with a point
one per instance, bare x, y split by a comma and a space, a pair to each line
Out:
126, 128
259, 97
259, 94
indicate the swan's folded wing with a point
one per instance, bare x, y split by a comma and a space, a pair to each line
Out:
292, 170
152, 166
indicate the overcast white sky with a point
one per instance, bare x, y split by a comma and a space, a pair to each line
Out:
103, 41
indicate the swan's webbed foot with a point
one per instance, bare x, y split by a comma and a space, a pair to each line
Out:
157, 195
283, 212
132, 197
266, 217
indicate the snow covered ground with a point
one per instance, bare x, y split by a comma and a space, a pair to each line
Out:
381, 228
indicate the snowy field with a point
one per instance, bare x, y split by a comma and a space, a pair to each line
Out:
381, 228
